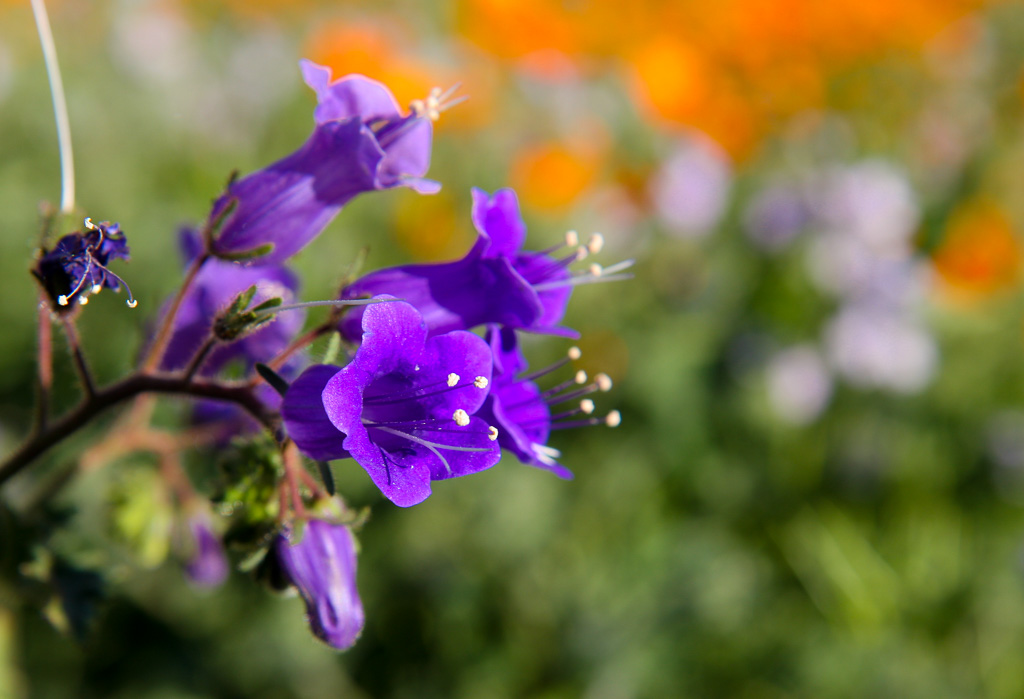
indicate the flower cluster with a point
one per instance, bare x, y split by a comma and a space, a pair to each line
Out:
422, 398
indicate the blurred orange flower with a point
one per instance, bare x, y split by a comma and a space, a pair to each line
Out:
979, 254
551, 176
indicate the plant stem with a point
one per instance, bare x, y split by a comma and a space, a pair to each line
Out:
84, 375
200, 358
163, 335
130, 387
60, 108
44, 366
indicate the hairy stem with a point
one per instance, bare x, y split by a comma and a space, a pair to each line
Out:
200, 358
44, 366
84, 375
163, 334
130, 387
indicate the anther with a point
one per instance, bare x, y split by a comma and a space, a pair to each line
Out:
453, 379
581, 254
572, 239
581, 377
89, 224
595, 243
461, 417
131, 303
613, 419
95, 289
492, 433
480, 382
604, 382
83, 300
595, 270
587, 406
62, 300
575, 353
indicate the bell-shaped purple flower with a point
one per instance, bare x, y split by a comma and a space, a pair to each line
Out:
497, 282
522, 411
322, 566
402, 408
207, 566
216, 285
77, 265
361, 142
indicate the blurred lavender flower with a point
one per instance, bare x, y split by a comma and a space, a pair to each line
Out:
496, 282
362, 142
691, 190
799, 384
77, 265
207, 566
322, 566
400, 405
776, 216
522, 412
877, 347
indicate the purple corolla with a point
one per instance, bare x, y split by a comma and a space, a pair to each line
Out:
497, 282
522, 412
322, 566
207, 565
361, 142
402, 408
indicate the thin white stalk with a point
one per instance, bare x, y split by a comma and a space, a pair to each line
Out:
60, 108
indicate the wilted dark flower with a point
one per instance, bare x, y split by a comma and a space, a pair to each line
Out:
522, 412
402, 408
497, 282
322, 566
361, 142
77, 265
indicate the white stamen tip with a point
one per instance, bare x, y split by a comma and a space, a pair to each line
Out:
595, 243
604, 382
461, 417
581, 377
481, 382
581, 253
89, 224
492, 433
131, 303
84, 300
453, 379
587, 406
595, 270
613, 419
572, 239
62, 300
575, 353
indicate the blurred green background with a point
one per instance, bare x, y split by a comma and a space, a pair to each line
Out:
817, 488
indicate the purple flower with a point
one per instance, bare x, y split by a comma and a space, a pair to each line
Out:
207, 566
218, 283
522, 411
402, 408
322, 565
77, 265
497, 282
361, 142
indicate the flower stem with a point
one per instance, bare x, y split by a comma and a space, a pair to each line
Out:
44, 366
60, 107
163, 335
134, 385
200, 358
84, 375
